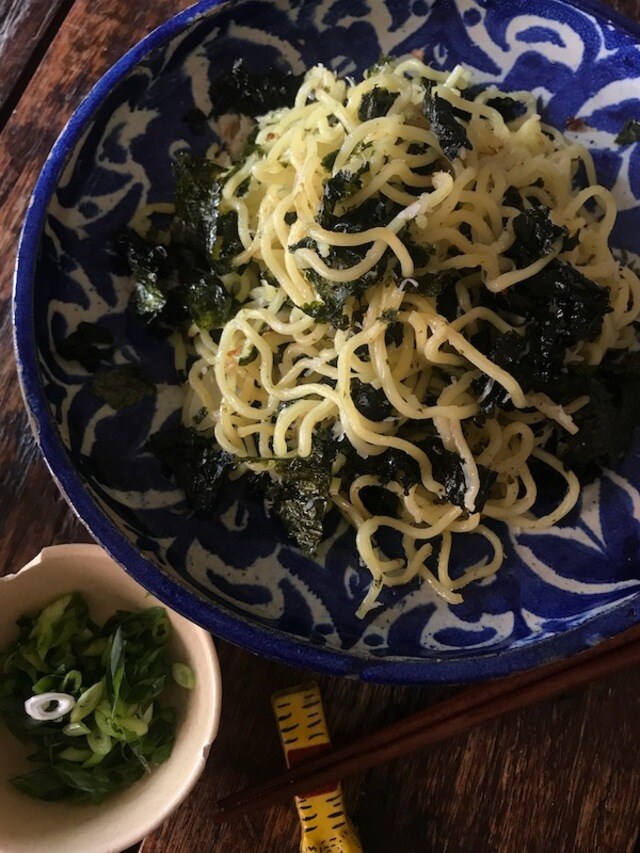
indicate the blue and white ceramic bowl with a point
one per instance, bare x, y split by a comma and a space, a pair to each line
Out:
559, 591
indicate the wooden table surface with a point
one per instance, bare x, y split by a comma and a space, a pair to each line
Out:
560, 777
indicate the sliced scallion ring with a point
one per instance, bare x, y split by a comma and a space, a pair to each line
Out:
45, 707
99, 742
183, 675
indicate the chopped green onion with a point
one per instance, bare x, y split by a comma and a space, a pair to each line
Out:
44, 684
109, 726
72, 682
87, 702
76, 730
96, 758
123, 710
96, 648
99, 742
72, 753
89, 741
160, 631
183, 675
135, 725
44, 628
31, 656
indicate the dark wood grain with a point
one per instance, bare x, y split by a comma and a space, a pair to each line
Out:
24, 26
631, 8
562, 776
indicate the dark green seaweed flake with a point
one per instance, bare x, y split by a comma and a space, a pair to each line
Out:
450, 133
535, 234
394, 465
508, 107
329, 159
376, 103
338, 189
196, 463
630, 132
197, 198
241, 90
121, 387
200, 415
369, 401
300, 494
613, 388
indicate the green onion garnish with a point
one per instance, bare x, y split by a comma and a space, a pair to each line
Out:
183, 675
87, 698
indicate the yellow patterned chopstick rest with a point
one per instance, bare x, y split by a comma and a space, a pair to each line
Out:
326, 827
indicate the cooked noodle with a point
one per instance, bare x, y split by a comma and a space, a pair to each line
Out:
278, 376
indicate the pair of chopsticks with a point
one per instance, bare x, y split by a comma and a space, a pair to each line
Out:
453, 716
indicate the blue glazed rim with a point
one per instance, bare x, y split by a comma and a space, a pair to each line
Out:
260, 639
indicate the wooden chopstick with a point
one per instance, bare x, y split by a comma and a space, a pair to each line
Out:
451, 717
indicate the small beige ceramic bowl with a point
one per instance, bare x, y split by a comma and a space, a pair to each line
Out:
30, 826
